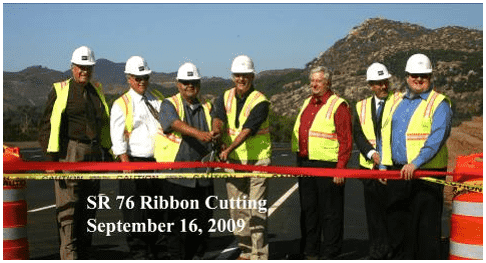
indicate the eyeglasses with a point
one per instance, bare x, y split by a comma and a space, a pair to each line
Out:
140, 78
416, 76
188, 82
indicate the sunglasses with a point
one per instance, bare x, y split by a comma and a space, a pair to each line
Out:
377, 82
187, 82
84, 67
416, 76
140, 78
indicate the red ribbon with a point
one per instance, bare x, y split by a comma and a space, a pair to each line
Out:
21, 166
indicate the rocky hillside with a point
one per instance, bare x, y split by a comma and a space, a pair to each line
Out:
465, 139
457, 54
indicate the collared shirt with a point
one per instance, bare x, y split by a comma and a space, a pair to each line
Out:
145, 127
257, 116
441, 128
191, 149
342, 122
377, 104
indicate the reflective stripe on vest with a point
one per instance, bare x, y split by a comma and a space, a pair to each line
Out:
323, 143
386, 123
167, 145
466, 250
125, 102
366, 122
419, 129
257, 147
62, 92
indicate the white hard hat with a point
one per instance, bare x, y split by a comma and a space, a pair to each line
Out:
83, 56
419, 64
188, 71
242, 64
137, 66
377, 72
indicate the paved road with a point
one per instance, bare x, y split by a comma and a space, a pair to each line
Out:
283, 224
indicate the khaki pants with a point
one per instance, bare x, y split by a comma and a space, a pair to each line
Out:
71, 206
252, 240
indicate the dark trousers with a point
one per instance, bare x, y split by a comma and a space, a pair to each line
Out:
375, 196
188, 245
143, 245
322, 212
414, 213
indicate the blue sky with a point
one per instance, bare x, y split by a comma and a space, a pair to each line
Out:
275, 36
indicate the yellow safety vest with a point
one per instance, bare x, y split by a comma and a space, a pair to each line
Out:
167, 146
417, 133
257, 147
126, 105
363, 108
62, 92
323, 141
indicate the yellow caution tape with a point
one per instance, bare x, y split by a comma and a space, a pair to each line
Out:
478, 187
81, 176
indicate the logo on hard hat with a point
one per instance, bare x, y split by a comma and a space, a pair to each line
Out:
141, 68
380, 73
84, 58
190, 73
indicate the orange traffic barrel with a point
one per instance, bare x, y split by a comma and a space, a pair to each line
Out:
467, 167
11, 154
466, 236
15, 243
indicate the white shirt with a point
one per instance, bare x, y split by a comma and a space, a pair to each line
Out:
145, 126
377, 104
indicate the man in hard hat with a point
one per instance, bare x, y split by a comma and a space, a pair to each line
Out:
322, 137
367, 136
244, 111
187, 137
75, 127
133, 127
414, 137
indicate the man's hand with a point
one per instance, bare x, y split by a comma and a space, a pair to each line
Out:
124, 159
223, 156
407, 171
204, 136
376, 158
383, 181
216, 135
338, 180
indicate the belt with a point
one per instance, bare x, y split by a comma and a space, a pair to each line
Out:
89, 142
